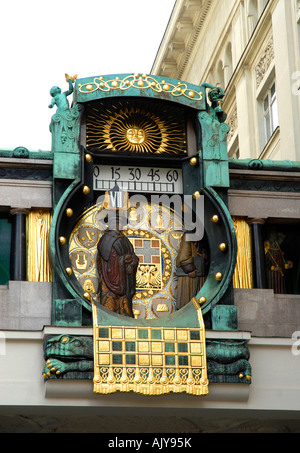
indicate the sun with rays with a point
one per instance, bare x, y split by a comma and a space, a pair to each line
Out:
134, 127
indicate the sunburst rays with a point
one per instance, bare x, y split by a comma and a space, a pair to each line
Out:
135, 127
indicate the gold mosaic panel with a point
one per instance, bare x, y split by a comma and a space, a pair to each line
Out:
150, 360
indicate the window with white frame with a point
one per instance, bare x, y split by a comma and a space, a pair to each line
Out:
270, 112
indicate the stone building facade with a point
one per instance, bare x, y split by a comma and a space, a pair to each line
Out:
251, 49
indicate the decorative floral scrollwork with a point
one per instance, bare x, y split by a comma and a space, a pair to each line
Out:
141, 82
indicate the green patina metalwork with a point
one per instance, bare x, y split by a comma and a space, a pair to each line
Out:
71, 172
140, 85
265, 164
24, 153
72, 357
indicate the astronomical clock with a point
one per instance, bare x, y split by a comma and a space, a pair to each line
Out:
143, 247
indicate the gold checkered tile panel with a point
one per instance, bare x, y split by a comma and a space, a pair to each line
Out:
150, 360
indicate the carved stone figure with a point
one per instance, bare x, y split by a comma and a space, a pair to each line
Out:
117, 266
191, 265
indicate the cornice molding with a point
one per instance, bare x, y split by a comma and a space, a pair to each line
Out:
185, 25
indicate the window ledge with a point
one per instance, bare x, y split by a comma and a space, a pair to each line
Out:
273, 141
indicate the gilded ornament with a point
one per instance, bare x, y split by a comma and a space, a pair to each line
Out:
131, 126
88, 157
38, 227
215, 218
202, 300
162, 308
136, 313
69, 271
87, 295
144, 82
62, 240
69, 212
86, 190
218, 276
193, 161
222, 246
196, 194
73, 78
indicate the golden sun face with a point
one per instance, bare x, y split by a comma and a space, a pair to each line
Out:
135, 127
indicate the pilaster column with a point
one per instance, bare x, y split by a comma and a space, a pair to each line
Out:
18, 245
258, 253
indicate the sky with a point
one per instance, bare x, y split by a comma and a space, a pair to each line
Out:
41, 40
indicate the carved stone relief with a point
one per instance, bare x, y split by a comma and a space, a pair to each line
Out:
263, 65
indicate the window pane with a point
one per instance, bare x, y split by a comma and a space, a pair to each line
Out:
275, 115
268, 126
273, 90
266, 103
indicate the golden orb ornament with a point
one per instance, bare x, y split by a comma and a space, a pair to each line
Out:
86, 190
202, 300
88, 157
69, 271
62, 240
222, 247
69, 212
218, 276
193, 161
87, 295
196, 194
215, 218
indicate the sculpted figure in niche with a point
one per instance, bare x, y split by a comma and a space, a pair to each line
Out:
192, 261
276, 264
117, 266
